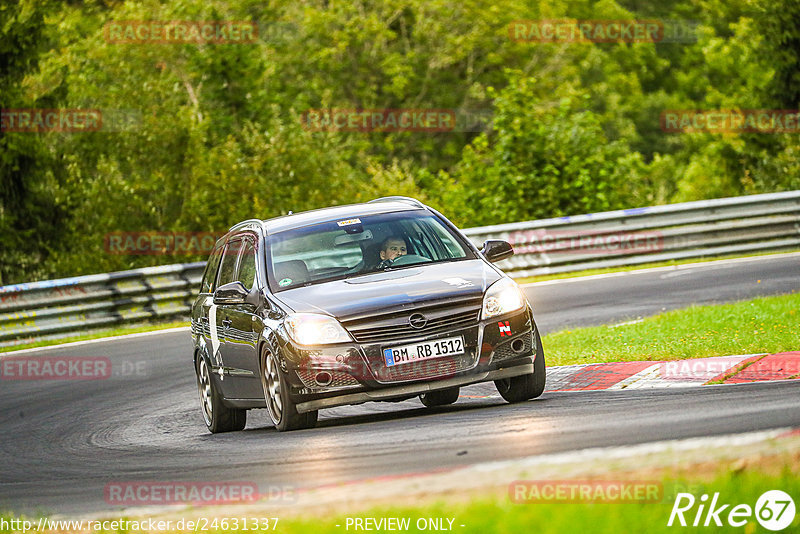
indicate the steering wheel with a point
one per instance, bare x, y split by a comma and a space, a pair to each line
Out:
409, 259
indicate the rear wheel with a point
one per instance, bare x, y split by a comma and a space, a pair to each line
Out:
282, 410
525, 387
442, 397
217, 416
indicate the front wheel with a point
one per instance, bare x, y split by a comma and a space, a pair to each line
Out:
525, 387
442, 397
282, 410
217, 416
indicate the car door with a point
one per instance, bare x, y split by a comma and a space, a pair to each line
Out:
240, 345
205, 300
218, 315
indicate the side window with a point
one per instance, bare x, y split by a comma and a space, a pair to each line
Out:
211, 271
227, 266
446, 238
247, 265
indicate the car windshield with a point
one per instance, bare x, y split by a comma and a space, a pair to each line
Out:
360, 245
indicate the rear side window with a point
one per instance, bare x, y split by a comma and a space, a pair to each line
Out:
227, 267
247, 265
211, 271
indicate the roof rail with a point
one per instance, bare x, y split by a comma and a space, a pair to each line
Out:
248, 222
407, 200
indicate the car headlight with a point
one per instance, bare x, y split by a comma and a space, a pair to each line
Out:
504, 296
315, 329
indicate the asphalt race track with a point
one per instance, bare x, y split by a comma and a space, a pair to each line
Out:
63, 441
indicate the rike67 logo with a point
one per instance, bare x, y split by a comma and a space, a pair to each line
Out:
774, 510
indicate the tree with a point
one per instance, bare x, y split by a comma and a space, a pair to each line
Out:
540, 161
30, 215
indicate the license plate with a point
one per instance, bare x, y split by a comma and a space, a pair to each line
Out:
422, 351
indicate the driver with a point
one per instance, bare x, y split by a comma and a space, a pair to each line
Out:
391, 249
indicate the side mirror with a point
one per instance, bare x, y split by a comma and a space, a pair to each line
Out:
231, 293
274, 312
495, 250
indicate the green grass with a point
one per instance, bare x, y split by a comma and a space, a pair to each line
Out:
498, 514
670, 263
121, 331
765, 324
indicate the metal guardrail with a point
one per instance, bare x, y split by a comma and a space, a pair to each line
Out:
770, 222
58, 308
707, 228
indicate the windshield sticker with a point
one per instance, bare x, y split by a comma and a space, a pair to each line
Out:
348, 222
458, 282
285, 282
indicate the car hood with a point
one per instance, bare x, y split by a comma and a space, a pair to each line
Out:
403, 288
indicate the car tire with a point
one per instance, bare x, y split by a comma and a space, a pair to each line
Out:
525, 387
282, 410
218, 417
442, 397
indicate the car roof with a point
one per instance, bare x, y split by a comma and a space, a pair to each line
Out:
308, 218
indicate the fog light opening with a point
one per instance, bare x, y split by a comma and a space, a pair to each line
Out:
518, 345
323, 378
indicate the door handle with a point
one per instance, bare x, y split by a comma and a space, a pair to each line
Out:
226, 323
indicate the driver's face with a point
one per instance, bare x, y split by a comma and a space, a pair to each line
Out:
394, 248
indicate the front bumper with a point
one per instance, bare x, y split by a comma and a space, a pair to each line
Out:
358, 368
389, 393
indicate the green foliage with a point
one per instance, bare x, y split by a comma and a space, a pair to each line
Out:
546, 160
214, 132
29, 213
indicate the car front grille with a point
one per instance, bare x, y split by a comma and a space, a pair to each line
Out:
396, 326
423, 369
390, 329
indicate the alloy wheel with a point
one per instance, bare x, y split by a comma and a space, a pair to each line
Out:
204, 388
272, 387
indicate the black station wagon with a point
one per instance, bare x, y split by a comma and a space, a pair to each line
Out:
382, 301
